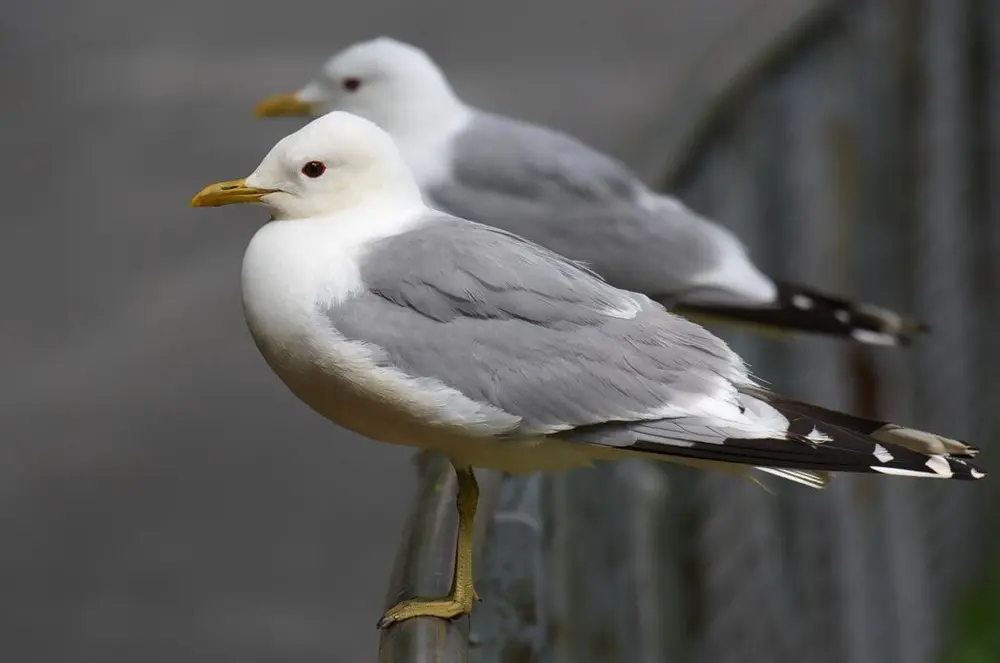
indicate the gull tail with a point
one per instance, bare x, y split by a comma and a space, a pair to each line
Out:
801, 308
792, 440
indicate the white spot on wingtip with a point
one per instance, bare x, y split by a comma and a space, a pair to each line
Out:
889, 319
976, 474
907, 473
818, 436
940, 465
882, 454
873, 337
802, 302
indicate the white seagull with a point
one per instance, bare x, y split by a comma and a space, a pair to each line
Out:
553, 190
414, 327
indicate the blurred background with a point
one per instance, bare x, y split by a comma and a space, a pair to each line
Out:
163, 497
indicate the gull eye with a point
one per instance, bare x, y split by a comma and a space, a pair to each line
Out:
351, 84
314, 169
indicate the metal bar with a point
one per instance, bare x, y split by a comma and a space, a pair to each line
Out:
940, 248
424, 565
508, 626
585, 575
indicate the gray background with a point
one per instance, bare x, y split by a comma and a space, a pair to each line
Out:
162, 497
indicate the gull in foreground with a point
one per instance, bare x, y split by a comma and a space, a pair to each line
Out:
413, 327
555, 191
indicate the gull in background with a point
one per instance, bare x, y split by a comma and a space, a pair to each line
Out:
554, 190
413, 327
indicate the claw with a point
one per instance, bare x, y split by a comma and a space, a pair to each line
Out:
445, 608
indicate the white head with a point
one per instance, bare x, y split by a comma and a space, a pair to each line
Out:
335, 163
393, 84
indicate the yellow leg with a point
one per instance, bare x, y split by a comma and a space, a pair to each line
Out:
462, 595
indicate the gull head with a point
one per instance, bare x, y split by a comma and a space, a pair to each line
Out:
384, 80
335, 163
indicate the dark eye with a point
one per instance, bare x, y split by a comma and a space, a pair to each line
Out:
314, 169
351, 84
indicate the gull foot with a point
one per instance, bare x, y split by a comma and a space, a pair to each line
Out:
446, 608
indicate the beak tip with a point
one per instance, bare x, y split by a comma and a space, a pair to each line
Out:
200, 200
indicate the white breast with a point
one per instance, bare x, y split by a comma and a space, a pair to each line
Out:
294, 269
288, 268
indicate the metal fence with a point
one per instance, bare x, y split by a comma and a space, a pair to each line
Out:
855, 146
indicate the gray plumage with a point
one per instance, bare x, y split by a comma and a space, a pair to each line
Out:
553, 190
523, 160
507, 322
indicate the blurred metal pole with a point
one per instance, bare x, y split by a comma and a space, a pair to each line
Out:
509, 625
946, 398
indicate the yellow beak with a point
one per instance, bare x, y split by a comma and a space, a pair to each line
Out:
281, 105
228, 193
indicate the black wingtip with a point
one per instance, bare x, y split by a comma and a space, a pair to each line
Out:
804, 309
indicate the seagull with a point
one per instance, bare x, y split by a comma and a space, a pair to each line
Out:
413, 327
549, 188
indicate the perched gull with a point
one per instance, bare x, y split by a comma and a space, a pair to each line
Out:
553, 190
413, 327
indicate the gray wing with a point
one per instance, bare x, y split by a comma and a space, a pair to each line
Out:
513, 158
557, 192
511, 324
